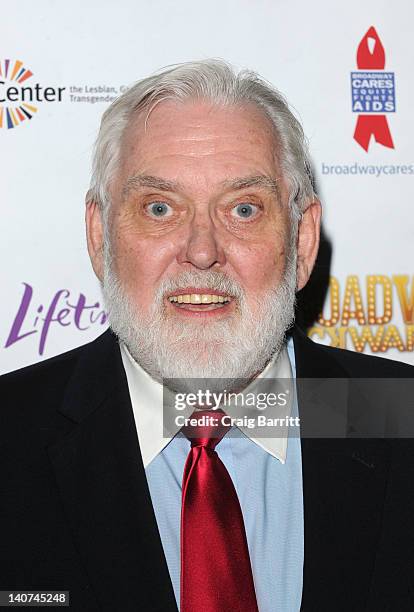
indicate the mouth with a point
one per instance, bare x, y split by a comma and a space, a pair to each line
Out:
190, 301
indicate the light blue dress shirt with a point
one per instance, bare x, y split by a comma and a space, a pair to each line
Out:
271, 499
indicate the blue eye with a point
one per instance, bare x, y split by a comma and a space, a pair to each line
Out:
245, 210
159, 209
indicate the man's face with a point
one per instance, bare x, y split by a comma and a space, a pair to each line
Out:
200, 222
199, 214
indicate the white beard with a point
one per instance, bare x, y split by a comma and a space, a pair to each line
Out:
239, 346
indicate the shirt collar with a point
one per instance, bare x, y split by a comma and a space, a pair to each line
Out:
147, 405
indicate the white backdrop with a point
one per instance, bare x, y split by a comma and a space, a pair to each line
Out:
50, 298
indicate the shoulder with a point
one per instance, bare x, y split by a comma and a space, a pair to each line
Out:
320, 361
47, 375
35, 399
31, 394
360, 365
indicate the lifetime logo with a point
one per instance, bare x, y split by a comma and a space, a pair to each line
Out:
16, 98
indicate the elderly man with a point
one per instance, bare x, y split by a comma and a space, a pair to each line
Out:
201, 224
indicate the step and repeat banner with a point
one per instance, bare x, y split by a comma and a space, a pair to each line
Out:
346, 69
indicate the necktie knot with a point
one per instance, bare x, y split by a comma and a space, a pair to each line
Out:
206, 428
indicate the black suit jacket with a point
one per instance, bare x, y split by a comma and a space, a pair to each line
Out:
76, 513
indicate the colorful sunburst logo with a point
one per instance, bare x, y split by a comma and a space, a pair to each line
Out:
13, 107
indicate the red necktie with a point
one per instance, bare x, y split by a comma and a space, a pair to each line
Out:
216, 574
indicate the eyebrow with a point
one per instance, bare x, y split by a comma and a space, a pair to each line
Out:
238, 184
259, 180
147, 180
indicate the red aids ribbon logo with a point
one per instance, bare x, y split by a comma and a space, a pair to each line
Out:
373, 93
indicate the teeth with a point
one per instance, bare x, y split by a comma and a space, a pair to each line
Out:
199, 298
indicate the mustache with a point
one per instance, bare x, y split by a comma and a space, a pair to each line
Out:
215, 280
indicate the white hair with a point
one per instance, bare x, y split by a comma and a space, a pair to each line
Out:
216, 81
234, 348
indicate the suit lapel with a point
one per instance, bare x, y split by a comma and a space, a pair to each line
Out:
344, 483
102, 482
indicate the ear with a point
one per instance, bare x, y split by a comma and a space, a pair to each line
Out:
94, 236
308, 242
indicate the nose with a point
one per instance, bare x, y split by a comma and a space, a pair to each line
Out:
202, 247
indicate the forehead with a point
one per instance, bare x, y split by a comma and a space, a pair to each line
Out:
200, 141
